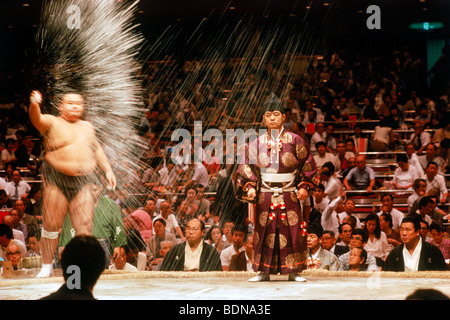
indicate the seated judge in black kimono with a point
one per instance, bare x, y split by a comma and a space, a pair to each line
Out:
194, 254
415, 254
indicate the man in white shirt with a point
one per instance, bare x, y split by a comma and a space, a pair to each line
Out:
435, 180
320, 200
200, 175
405, 174
430, 156
419, 187
243, 260
17, 188
387, 202
319, 135
120, 262
237, 235
420, 139
330, 219
333, 186
413, 159
349, 209
322, 156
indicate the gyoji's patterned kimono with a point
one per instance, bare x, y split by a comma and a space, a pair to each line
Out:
280, 230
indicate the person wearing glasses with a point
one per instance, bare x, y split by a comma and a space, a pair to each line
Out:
358, 239
194, 254
14, 255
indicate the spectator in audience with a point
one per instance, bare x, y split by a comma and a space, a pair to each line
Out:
8, 220
350, 146
342, 156
395, 119
318, 136
319, 258
333, 186
426, 206
368, 112
86, 253
214, 238
387, 206
438, 240
7, 238
351, 165
345, 232
27, 219
167, 175
435, 180
445, 154
5, 201
194, 254
351, 220
330, 141
430, 156
166, 246
237, 235
361, 177
349, 210
204, 212
423, 117
329, 243
405, 174
135, 250
199, 176
330, 217
17, 188
183, 215
414, 254
419, 187
377, 244
243, 260
320, 200
119, 260
357, 259
425, 230
154, 244
7, 155
382, 137
413, 158
444, 130
393, 236
170, 219
150, 207
18, 225
358, 239
14, 254
420, 139
33, 244
191, 201
226, 230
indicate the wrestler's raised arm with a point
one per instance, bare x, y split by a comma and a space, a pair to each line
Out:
42, 122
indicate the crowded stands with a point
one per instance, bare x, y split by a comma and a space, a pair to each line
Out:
380, 138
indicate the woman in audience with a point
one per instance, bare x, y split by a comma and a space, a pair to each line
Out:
377, 245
